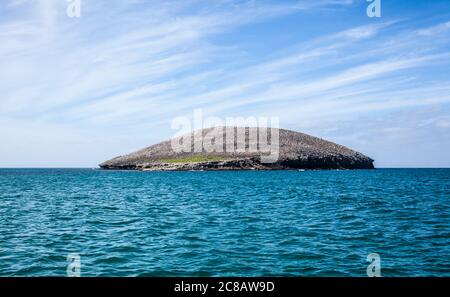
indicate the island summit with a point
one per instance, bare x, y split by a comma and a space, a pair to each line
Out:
221, 148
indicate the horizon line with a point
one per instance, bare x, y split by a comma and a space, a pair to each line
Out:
97, 167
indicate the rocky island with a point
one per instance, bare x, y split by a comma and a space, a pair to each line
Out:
294, 150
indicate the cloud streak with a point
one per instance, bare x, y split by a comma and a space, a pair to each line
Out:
128, 67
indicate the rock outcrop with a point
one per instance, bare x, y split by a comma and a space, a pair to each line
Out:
294, 150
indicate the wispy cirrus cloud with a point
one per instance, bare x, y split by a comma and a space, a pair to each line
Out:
128, 67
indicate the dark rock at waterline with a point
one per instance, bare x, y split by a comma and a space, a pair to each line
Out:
295, 151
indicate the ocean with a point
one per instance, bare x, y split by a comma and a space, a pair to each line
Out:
235, 223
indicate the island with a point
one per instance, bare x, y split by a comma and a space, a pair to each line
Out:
215, 149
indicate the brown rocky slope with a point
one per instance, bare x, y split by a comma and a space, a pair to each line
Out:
295, 151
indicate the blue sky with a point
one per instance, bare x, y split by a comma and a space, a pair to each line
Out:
78, 91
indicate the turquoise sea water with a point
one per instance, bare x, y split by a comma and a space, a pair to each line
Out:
246, 223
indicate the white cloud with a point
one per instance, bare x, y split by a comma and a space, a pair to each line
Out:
130, 66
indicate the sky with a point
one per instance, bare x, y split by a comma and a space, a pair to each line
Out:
76, 91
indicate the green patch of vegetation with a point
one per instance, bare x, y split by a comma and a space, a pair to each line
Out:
194, 159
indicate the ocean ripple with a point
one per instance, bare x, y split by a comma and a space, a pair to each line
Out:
247, 223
